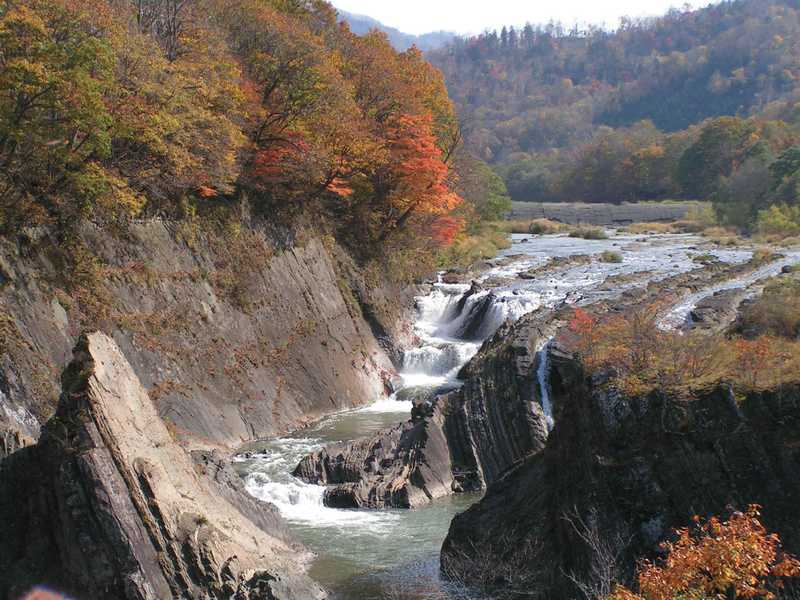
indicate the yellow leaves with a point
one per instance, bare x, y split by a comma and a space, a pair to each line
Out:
21, 31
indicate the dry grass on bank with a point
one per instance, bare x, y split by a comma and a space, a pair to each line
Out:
655, 227
467, 249
533, 226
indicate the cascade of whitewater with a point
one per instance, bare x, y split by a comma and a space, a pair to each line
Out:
453, 321
543, 380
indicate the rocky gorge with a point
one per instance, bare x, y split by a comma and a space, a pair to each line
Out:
208, 345
480, 410
123, 497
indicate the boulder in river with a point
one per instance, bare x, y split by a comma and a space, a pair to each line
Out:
401, 467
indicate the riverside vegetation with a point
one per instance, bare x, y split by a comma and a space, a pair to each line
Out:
192, 110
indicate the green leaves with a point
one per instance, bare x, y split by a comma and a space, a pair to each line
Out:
53, 118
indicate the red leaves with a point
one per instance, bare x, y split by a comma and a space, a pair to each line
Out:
581, 322
207, 192
417, 166
753, 357
277, 164
445, 229
339, 187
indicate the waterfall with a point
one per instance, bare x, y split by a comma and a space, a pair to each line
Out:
453, 321
543, 380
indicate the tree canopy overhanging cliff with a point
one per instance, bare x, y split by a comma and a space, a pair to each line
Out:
115, 109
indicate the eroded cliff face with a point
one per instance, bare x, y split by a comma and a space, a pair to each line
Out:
234, 340
108, 505
616, 475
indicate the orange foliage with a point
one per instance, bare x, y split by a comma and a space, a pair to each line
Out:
754, 356
419, 172
339, 187
207, 192
736, 558
640, 357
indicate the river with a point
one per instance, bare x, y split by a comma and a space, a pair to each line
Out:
394, 554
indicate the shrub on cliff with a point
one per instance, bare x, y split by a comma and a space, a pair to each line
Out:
775, 312
736, 558
639, 357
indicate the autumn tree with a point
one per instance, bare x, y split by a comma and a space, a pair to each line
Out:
723, 145
112, 108
56, 67
481, 188
416, 173
736, 558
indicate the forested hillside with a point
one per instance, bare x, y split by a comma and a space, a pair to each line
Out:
199, 110
607, 116
361, 25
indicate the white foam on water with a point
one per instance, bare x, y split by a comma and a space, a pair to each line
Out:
19, 415
296, 500
388, 405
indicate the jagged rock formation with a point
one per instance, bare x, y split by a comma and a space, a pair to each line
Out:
616, 475
234, 341
108, 505
404, 467
460, 442
717, 311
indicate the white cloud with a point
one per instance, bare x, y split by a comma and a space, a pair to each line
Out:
474, 16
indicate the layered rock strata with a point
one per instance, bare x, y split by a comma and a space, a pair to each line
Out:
235, 340
459, 441
108, 505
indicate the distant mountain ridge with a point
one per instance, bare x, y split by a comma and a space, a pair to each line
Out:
361, 24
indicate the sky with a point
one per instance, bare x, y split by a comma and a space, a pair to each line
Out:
474, 16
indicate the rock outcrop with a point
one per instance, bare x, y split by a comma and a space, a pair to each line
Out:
402, 467
616, 475
234, 339
459, 441
108, 505
717, 311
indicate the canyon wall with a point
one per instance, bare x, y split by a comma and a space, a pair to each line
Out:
616, 475
234, 337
